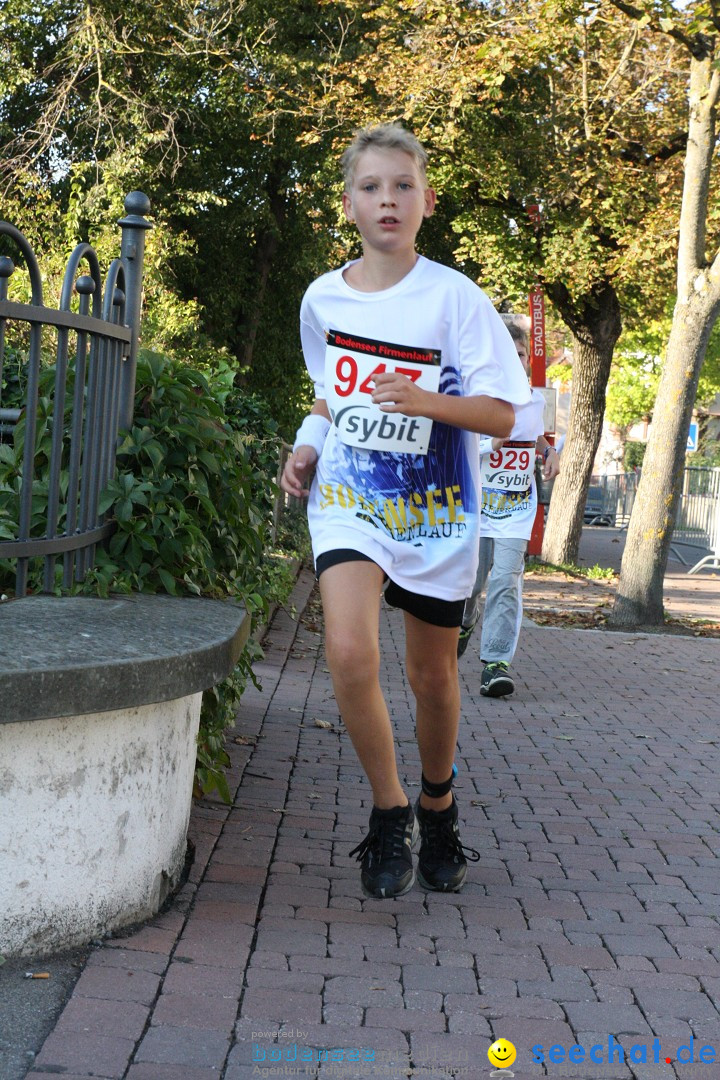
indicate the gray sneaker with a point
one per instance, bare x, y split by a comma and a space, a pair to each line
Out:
496, 680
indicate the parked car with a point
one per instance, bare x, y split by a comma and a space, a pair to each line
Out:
597, 512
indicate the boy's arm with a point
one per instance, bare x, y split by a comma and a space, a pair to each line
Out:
397, 393
300, 464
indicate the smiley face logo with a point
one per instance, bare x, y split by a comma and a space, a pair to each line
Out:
502, 1054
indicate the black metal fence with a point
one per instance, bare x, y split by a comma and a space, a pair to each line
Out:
611, 498
698, 520
58, 447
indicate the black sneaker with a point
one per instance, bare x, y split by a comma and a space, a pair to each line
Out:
465, 634
442, 862
496, 680
386, 853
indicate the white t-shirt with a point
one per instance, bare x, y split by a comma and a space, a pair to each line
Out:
509, 493
414, 514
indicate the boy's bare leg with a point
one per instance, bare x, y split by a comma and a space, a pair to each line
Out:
431, 660
432, 670
351, 604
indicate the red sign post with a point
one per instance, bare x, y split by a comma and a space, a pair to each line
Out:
537, 373
537, 335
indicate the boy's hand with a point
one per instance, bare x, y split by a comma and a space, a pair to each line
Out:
397, 393
551, 465
298, 468
497, 444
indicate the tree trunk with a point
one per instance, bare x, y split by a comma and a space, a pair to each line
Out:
265, 249
595, 323
266, 246
639, 599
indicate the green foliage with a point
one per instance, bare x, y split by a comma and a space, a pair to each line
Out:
11, 463
595, 573
637, 367
632, 388
709, 382
14, 379
193, 492
708, 450
708, 455
201, 113
634, 455
598, 573
552, 102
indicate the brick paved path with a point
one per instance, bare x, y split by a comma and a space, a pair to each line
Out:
594, 911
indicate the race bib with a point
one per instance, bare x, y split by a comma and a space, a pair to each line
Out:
351, 364
510, 468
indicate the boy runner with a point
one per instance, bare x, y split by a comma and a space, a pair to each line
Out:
509, 503
409, 359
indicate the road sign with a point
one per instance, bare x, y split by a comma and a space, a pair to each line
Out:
550, 410
692, 439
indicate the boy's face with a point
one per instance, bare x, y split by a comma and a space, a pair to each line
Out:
388, 199
523, 354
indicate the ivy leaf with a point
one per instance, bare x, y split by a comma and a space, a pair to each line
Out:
168, 580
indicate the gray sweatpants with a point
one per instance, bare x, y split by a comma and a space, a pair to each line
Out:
504, 562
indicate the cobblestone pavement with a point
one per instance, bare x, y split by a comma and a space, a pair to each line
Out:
591, 920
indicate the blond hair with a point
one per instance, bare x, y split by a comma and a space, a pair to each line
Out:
385, 137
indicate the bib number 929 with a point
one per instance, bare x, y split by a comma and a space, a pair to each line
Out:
509, 459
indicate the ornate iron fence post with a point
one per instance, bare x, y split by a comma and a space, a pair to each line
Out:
58, 446
132, 251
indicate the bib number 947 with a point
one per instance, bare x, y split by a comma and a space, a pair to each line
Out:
351, 367
346, 370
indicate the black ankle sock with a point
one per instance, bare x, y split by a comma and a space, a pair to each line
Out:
436, 791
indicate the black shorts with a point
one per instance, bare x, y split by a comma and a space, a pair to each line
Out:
428, 609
